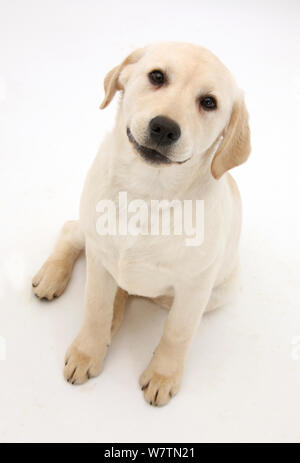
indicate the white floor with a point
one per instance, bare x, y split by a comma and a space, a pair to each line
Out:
242, 380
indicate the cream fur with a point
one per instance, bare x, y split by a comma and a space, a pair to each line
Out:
189, 280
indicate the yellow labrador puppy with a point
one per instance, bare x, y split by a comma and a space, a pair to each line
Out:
181, 125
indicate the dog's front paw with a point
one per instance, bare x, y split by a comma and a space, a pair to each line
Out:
158, 388
52, 279
81, 366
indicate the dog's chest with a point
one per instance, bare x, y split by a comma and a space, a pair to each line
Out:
137, 264
145, 265
141, 265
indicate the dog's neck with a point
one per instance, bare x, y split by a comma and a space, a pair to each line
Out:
167, 182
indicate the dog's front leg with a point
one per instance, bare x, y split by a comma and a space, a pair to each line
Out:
86, 354
162, 378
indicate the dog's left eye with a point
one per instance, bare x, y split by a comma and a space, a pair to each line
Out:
208, 103
157, 77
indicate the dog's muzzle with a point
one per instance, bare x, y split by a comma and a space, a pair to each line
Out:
149, 154
164, 131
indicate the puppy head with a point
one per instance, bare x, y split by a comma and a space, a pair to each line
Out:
178, 101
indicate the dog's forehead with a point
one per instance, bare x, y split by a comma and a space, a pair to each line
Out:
191, 62
182, 55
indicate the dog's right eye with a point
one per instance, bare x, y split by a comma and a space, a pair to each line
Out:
157, 77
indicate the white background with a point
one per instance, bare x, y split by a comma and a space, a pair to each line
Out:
242, 379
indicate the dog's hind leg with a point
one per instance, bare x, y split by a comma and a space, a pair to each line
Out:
225, 292
53, 277
119, 308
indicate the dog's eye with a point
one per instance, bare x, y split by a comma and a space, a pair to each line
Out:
208, 103
157, 77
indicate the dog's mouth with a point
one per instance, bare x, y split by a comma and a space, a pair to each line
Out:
149, 154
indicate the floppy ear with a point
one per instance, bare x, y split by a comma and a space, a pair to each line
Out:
235, 147
111, 81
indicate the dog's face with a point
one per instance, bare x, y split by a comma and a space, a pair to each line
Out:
178, 99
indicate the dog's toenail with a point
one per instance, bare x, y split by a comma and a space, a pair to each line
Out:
71, 377
145, 386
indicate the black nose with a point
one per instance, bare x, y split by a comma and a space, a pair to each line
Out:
164, 131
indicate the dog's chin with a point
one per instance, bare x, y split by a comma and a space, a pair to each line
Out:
150, 155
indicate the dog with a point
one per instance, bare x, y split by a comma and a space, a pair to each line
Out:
181, 125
